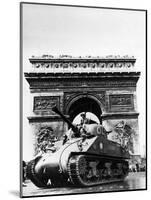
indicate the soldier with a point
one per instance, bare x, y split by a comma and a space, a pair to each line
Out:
84, 120
82, 128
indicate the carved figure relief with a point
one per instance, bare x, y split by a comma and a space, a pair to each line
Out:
124, 135
45, 139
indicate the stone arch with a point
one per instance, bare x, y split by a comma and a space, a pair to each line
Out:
84, 103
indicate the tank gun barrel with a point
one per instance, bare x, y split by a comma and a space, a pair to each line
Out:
74, 128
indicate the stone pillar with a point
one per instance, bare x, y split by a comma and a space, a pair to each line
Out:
122, 118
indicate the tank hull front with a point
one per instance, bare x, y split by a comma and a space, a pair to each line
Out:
54, 165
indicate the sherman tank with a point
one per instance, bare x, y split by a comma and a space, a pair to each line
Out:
84, 158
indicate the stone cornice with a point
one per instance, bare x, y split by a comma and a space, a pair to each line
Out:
84, 59
119, 115
83, 75
49, 118
48, 56
105, 116
71, 64
67, 80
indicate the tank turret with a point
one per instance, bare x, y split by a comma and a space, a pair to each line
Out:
86, 158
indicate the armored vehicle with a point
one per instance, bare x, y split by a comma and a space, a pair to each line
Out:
84, 158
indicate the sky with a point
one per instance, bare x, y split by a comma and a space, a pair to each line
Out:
82, 31
77, 31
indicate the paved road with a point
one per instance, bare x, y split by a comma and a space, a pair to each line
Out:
132, 182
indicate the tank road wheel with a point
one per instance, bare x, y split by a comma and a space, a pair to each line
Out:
107, 171
82, 166
38, 181
125, 169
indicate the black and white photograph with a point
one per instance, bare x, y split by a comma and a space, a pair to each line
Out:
83, 99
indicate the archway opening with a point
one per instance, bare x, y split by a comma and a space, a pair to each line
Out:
87, 105
92, 117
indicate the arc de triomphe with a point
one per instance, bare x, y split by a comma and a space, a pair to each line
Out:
105, 87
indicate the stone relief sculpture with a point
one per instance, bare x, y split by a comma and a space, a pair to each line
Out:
45, 140
45, 102
123, 100
125, 134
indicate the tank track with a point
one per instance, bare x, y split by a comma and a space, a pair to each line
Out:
88, 170
38, 181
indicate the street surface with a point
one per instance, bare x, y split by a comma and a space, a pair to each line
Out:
132, 182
